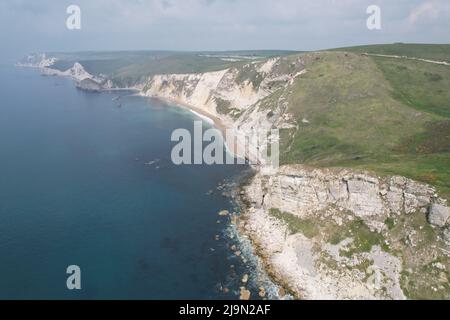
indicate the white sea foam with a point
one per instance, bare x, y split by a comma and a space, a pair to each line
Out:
201, 116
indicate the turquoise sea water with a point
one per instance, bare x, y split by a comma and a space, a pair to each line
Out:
75, 190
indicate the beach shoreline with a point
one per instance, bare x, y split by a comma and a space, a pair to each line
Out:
218, 123
210, 118
277, 285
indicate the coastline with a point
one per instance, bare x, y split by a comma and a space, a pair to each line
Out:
216, 121
260, 267
277, 287
190, 263
276, 250
212, 119
272, 285
240, 198
219, 123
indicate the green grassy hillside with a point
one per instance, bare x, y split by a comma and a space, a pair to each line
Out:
439, 52
387, 115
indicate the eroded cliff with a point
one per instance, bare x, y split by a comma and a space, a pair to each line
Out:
342, 234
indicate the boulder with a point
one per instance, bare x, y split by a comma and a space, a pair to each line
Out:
224, 213
447, 235
438, 215
245, 294
262, 292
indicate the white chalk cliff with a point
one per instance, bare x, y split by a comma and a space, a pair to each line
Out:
234, 97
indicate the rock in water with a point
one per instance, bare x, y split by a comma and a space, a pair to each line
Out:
224, 213
438, 215
262, 292
245, 278
245, 294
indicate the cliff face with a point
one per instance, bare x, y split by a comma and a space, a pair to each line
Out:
305, 192
337, 234
192, 89
237, 96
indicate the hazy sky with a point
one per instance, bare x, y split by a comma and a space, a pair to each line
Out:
40, 25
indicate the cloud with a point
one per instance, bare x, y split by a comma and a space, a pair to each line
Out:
429, 10
217, 24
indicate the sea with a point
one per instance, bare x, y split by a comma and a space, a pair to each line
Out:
86, 180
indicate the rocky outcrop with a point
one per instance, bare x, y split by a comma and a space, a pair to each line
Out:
89, 85
304, 192
84, 80
95, 85
342, 234
438, 215
447, 235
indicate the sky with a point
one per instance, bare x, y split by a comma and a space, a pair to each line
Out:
198, 25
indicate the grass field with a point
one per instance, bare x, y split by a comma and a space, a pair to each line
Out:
386, 115
423, 86
439, 52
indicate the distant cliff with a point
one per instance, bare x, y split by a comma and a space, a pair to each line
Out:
36, 60
83, 79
